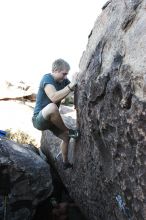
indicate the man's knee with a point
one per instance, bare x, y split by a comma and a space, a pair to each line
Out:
53, 108
49, 110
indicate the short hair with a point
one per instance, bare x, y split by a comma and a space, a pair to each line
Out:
59, 65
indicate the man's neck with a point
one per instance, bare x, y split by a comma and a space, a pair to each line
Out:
53, 75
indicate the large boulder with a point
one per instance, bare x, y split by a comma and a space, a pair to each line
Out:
25, 180
109, 175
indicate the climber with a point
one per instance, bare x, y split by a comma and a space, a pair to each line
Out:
52, 89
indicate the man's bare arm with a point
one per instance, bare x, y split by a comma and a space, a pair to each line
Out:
54, 95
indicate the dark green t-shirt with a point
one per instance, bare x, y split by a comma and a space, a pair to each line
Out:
42, 99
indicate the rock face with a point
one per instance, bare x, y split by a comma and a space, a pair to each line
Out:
109, 176
25, 181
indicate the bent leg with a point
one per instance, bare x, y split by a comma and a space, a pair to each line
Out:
64, 150
64, 145
52, 114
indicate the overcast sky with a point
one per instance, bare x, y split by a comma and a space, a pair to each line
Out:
33, 33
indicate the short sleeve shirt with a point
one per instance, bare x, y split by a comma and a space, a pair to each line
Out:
42, 100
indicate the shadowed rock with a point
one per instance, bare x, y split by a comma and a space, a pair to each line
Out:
25, 180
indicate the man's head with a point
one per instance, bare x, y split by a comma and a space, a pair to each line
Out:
60, 69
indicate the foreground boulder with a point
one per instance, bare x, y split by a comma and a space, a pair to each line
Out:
109, 175
25, 181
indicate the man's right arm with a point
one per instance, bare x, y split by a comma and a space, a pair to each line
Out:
56, 96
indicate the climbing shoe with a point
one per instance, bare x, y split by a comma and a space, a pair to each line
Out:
74, 134
67, 165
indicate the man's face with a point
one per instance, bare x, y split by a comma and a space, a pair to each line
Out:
61, 75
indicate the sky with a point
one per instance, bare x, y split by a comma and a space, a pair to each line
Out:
33, 33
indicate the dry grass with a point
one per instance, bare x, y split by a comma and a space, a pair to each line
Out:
16, 117
20, 137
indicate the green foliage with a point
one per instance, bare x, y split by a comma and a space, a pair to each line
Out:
68, 100
20, 137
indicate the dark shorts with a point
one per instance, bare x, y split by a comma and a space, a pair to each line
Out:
41, 124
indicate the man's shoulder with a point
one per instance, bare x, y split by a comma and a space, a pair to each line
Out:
47, 75
46, 79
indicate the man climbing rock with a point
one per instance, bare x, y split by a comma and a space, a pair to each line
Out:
52, 89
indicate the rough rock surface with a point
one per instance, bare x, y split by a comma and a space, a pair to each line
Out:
25, 178
109, 176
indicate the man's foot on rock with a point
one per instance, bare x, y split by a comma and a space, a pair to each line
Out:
67, 165
74, 134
